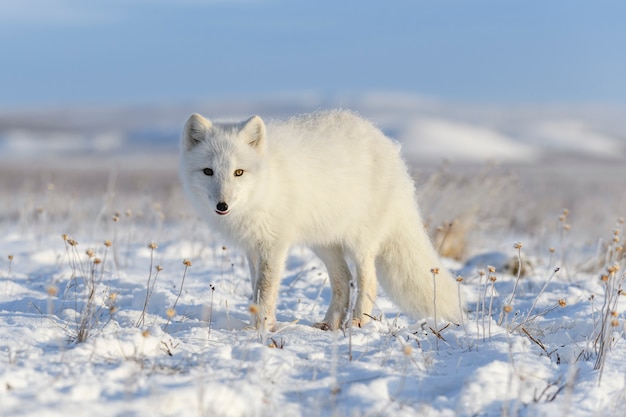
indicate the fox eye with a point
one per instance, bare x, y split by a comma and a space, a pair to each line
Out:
238, 172
208, 172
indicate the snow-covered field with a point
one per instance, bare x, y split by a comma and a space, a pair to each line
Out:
116, 300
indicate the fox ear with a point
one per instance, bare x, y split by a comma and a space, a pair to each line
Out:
195, 130
253, 131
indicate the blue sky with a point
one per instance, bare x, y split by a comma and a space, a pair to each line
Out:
74, 52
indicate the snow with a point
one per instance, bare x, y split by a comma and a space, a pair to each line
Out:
205, 360
574, 136
220, 367
432, 138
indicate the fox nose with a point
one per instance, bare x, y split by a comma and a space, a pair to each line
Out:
222, 207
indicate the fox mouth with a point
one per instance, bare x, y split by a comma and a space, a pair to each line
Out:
222, 213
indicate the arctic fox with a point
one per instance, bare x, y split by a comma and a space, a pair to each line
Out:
332, 181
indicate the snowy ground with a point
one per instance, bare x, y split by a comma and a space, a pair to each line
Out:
77, 338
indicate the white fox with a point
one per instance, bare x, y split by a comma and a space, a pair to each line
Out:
332, 181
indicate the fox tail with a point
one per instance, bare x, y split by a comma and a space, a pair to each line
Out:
411, 273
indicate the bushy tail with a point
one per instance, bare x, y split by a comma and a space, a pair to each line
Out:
404, 268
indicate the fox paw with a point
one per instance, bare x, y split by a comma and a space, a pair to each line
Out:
323, 326
265, 324
358, 323
328, 326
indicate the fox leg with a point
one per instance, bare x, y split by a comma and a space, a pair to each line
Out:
253, 264
367, 286
340, 277
267, 283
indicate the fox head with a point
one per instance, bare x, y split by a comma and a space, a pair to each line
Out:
221, 164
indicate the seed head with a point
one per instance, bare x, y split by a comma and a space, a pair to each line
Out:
10, 257
518, 245
170, 312
492, 278
187, 262
507, 309
64, 236
90, 252
97, 261
107, 243
459, 279
562, 303
159, 268
145, 333
152, 246
407, 350
552, 250
565, 212
614, 323
52, 291
253, 309
434, 271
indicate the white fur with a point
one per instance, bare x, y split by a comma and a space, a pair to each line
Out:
329, 180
